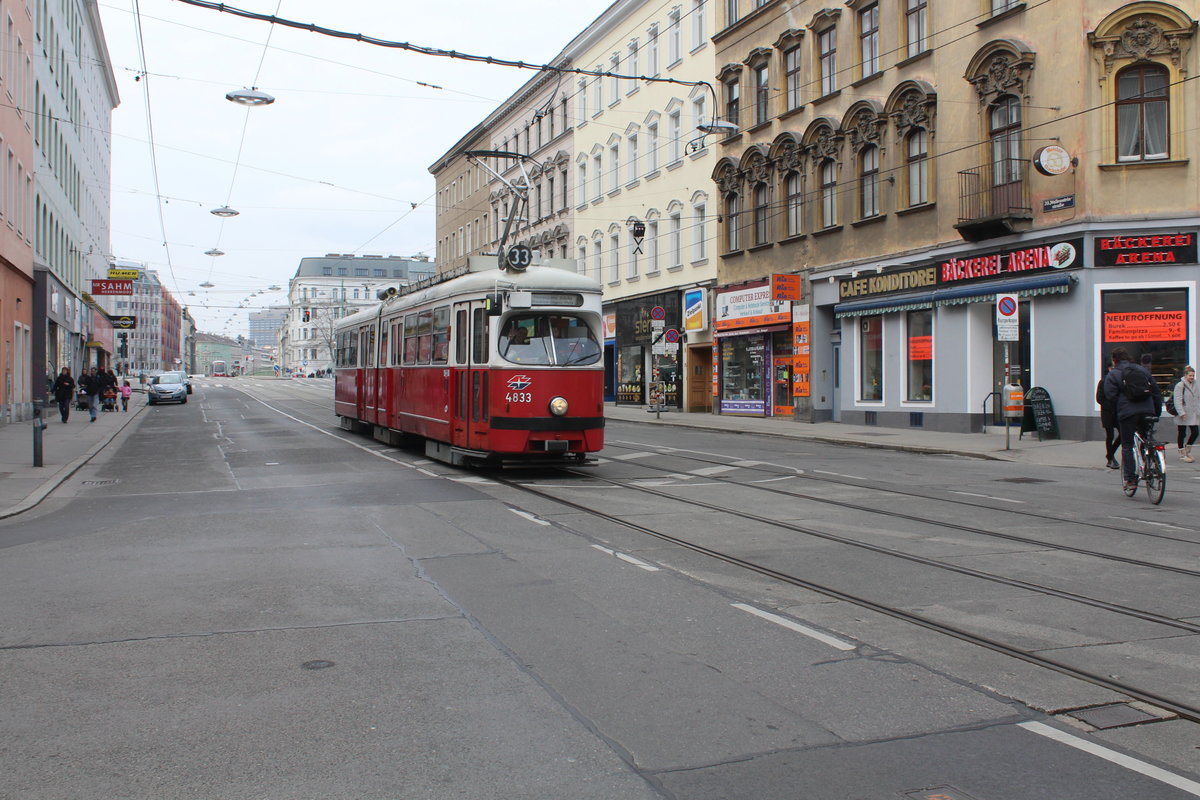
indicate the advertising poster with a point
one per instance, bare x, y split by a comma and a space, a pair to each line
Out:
1146, 326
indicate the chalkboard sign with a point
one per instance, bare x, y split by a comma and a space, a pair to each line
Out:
1039, 414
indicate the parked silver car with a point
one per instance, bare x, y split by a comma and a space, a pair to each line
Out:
168, 387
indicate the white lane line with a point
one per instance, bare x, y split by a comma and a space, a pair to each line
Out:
530, 517
748, 463
839, 475
990, 497
706, 471
1120, 759
812, 633
1151, 522
637, 562
629, 456
775, 480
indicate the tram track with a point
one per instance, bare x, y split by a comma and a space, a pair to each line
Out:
1182, 709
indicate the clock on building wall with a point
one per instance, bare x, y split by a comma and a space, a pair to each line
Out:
1052, 160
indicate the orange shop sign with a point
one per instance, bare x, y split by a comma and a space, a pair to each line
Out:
1146, 326
750, 308
920, 348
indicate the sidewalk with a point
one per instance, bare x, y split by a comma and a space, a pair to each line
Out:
65, 448
990, 445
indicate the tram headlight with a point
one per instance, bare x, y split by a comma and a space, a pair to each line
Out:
558, 406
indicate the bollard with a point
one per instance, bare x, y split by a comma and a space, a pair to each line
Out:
38, 426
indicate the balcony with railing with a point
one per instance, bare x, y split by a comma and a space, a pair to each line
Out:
993, 198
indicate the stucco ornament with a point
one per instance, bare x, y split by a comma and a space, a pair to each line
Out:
790, 156
758, 170
912, 113
867, 129
826, 144
729, 180
1144, 38
1005, 74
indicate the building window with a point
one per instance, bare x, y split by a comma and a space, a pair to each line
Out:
651, 245
614, 67
674, 43
651, 147
582, 95
917, 166
1005, 137
868, 182
597, 171
733, 99
699, 233
919, 347
732, 222
582, 183
731, 12
828, 194
870, 359
631, 65
793, 186
676, 144
916, 21
597, 92
676, 238
827, 55
868, 39
652, 50
1142, 113
1000, 6
699, 28
698, 109
632, 157
598, 257
791, 66
761, 215
614, 257
614, 166
762, 93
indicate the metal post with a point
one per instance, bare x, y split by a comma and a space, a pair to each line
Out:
1007, 382
38, 426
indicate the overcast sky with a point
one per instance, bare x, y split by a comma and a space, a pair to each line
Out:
335, 165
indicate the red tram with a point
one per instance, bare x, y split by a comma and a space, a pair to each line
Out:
487, 366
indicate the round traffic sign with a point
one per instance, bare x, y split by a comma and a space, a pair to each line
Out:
658, 312
1007, 306
671, 335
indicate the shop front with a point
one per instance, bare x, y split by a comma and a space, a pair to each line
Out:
755, 356
646, 352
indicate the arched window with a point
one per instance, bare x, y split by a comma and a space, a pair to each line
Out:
1142, 113
733, 241
916, 164
761, 215
793, 186
828, 193
868, 182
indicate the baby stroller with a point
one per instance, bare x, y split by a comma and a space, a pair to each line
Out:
81, 400
108, 400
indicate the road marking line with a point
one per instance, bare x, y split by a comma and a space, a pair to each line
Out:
748, 463
629, 456
637, 562
1120, 759
1151, 522
812, 633
706, 471
989, 497
530, 517
838, 474
774, 480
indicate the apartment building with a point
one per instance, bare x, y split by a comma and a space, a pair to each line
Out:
907, 165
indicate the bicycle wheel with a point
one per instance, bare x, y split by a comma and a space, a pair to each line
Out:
1156, 476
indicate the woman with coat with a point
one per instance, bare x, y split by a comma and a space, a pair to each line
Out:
1187, 404
64, 392
1108, 418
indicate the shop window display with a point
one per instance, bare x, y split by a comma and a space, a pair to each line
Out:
1150, 322
870, 359
743, 361
919, 353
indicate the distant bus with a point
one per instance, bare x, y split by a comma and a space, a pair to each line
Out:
219, 370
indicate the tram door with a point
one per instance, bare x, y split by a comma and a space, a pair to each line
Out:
472, 353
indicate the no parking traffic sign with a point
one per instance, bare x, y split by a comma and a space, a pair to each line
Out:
1007, 327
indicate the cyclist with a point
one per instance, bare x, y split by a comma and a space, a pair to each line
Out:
1131, 412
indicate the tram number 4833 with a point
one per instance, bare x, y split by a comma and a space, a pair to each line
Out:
519, 397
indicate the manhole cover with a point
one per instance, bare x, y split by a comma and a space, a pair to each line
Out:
1117, 715
108, 482
1024, 480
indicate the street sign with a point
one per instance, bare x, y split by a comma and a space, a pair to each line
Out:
672, 336
127, 323
101, 286
658, 312
1007, 318
115, 274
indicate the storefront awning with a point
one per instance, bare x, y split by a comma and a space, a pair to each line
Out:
1057, 283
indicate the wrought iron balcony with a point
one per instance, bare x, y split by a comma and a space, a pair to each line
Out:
992, 198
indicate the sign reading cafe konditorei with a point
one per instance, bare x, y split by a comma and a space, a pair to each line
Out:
964, 270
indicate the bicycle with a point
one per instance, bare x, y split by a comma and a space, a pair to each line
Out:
1150, 462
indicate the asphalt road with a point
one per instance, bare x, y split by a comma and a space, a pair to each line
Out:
238, 600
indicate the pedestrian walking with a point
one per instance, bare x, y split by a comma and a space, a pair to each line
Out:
1136, 394
1108, 418
1187, 416
93, 383
126, 393
64, 392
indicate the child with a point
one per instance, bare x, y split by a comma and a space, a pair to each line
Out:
126, 391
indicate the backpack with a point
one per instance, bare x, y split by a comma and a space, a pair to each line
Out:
1135, 383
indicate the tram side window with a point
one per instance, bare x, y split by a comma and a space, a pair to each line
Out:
410, 339
441, 334
351, 358
479, 337
371, 361
383, 346
397, 340
460, 337
425, 336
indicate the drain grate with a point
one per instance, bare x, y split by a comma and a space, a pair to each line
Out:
106, 482
1023, 480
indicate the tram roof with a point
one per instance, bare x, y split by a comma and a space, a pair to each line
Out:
478, 282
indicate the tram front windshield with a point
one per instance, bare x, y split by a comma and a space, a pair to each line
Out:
548, 339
